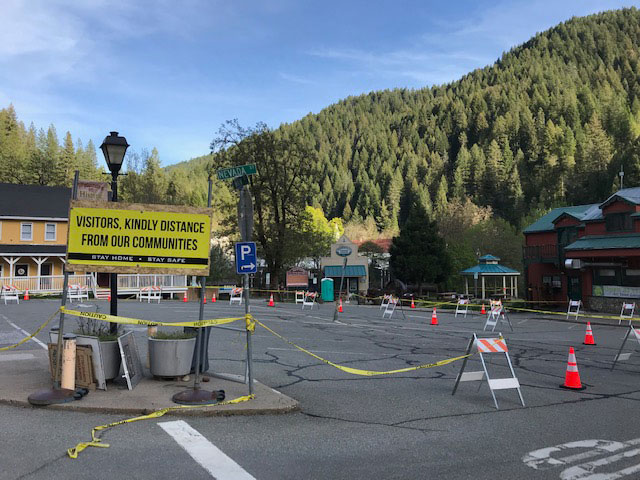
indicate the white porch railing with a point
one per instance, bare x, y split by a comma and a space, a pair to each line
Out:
49, 284
127, 283
137, 281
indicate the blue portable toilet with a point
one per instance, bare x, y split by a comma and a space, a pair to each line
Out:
326, 287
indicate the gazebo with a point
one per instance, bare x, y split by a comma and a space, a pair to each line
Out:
488, 267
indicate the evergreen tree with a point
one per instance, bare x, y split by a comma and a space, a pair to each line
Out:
418, 253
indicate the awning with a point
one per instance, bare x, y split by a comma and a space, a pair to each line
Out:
30, 250
601, 242
349, 271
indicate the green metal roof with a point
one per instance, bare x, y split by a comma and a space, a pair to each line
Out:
490, 269
489, 257
349, 271
545, 223
601, 242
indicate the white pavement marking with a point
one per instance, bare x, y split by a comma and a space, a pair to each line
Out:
24, 331
9, 357
542, 459
210, 457
523, 321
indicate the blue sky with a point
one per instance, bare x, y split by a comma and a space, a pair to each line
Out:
166, 74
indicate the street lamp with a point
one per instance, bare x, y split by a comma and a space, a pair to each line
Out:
114, 147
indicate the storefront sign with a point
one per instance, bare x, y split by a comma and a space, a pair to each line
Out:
90, 190
616, 291
297, 277
136, 238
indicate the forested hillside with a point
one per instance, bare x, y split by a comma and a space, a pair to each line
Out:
551, 122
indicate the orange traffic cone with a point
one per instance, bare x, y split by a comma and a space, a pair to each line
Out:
572, 378
588, 337
108, 297
205, 299
184, 297
213, 299
434, 317
483, 311
413, 305
271, 304
26, 294
340, 306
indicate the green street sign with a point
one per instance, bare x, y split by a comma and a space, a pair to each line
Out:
240, 170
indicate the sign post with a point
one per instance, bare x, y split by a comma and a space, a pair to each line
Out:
344, 252
246, 263
246, 259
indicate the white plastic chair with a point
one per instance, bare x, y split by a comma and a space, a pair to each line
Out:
300, 296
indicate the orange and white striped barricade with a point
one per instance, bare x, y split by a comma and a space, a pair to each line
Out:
496, 314
235, 296
10, 292
462, 307
385, 301
489, 346
625, 356
309, 300
390, 307
300, 294
627, 312
574, 308
150, 293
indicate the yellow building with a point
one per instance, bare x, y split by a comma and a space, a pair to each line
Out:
33, 235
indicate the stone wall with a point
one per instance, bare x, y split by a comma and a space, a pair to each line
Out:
607, 304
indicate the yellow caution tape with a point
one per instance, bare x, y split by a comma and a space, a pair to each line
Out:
136, 321
97, 442
250, 322
26, 339
357, 371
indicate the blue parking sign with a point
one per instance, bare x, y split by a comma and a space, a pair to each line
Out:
246, 261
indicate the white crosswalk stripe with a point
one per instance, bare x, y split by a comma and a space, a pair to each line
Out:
210, 457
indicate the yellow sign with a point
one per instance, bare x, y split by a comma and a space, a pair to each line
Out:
135, 238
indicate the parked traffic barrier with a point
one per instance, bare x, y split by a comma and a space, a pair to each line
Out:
625, 356
485, 346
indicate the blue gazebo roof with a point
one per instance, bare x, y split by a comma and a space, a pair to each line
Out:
490, 269
488, 265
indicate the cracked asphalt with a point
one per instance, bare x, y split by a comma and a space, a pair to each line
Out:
402, 426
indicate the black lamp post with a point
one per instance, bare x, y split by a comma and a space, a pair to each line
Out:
114, 147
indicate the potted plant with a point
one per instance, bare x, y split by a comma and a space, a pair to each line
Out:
170, 353
109, 349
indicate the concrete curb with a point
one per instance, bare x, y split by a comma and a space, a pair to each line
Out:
19, 379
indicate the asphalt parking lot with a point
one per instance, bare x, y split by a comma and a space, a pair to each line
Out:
405, 425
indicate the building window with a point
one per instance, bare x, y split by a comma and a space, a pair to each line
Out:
21, 270
554, 281
26, 232
50, 232
631, 278
607, 276
618, 222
